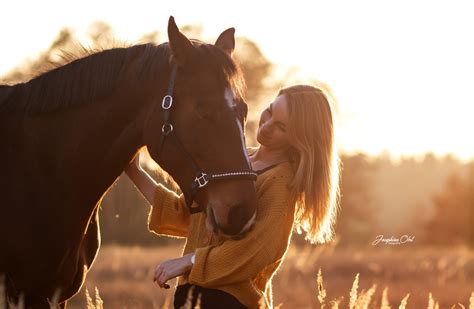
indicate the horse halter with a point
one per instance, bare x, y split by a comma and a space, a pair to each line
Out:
202, 179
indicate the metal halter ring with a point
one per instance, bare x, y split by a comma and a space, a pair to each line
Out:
167, 102
202, 180
167, 128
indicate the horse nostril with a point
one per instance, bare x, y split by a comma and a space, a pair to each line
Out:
238, 224
235, 221
236, 217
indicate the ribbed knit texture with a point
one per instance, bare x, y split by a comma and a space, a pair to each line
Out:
243, 267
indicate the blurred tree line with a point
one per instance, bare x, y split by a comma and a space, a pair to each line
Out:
432, 198
453, 220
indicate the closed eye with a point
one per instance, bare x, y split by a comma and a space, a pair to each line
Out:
281, 127
279, 124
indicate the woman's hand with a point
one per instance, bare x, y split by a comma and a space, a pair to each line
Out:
171, 269
144, 182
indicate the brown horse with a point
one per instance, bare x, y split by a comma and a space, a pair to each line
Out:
68, 134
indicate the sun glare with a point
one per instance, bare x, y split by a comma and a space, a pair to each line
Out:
401, 72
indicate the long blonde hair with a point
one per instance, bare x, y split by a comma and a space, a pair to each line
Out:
315, 186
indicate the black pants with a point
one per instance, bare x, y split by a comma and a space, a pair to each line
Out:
210, 298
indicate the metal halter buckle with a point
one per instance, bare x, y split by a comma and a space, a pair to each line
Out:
167, 128
167, 102
202, 180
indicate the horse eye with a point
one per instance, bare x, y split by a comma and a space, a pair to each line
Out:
241, 111
246, 110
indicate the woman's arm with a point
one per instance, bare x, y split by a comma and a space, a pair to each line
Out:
142, 180
169, 215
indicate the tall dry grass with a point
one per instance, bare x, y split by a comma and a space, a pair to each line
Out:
311, 277
358, 300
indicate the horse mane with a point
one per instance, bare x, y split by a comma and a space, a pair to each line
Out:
93, 75
5, 91
77, 80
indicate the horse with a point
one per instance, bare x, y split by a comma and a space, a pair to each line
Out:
68, 134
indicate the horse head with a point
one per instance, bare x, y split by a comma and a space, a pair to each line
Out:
196, 134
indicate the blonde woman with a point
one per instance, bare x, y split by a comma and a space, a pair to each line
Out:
297, 188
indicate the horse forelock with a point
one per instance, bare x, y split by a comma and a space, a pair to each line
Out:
225, 65
232, 76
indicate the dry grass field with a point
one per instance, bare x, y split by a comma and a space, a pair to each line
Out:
123, 276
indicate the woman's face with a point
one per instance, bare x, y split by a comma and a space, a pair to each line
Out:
273, 126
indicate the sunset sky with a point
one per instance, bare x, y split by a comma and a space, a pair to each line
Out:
402, 71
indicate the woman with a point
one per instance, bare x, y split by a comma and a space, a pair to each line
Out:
297, 187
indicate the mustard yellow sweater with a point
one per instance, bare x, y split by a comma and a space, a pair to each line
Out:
244, 267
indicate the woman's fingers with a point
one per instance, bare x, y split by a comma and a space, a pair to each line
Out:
156, 276
160, 277
163, 278
170, 269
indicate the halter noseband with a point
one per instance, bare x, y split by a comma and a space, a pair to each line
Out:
202, 179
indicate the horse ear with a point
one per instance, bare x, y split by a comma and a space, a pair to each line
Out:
226, 41
181, 46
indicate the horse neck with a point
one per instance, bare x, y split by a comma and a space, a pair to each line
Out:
118, 135
95, 145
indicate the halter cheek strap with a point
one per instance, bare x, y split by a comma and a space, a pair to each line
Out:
201, 178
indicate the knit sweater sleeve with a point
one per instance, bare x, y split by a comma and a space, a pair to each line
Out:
239, 260
169, 214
